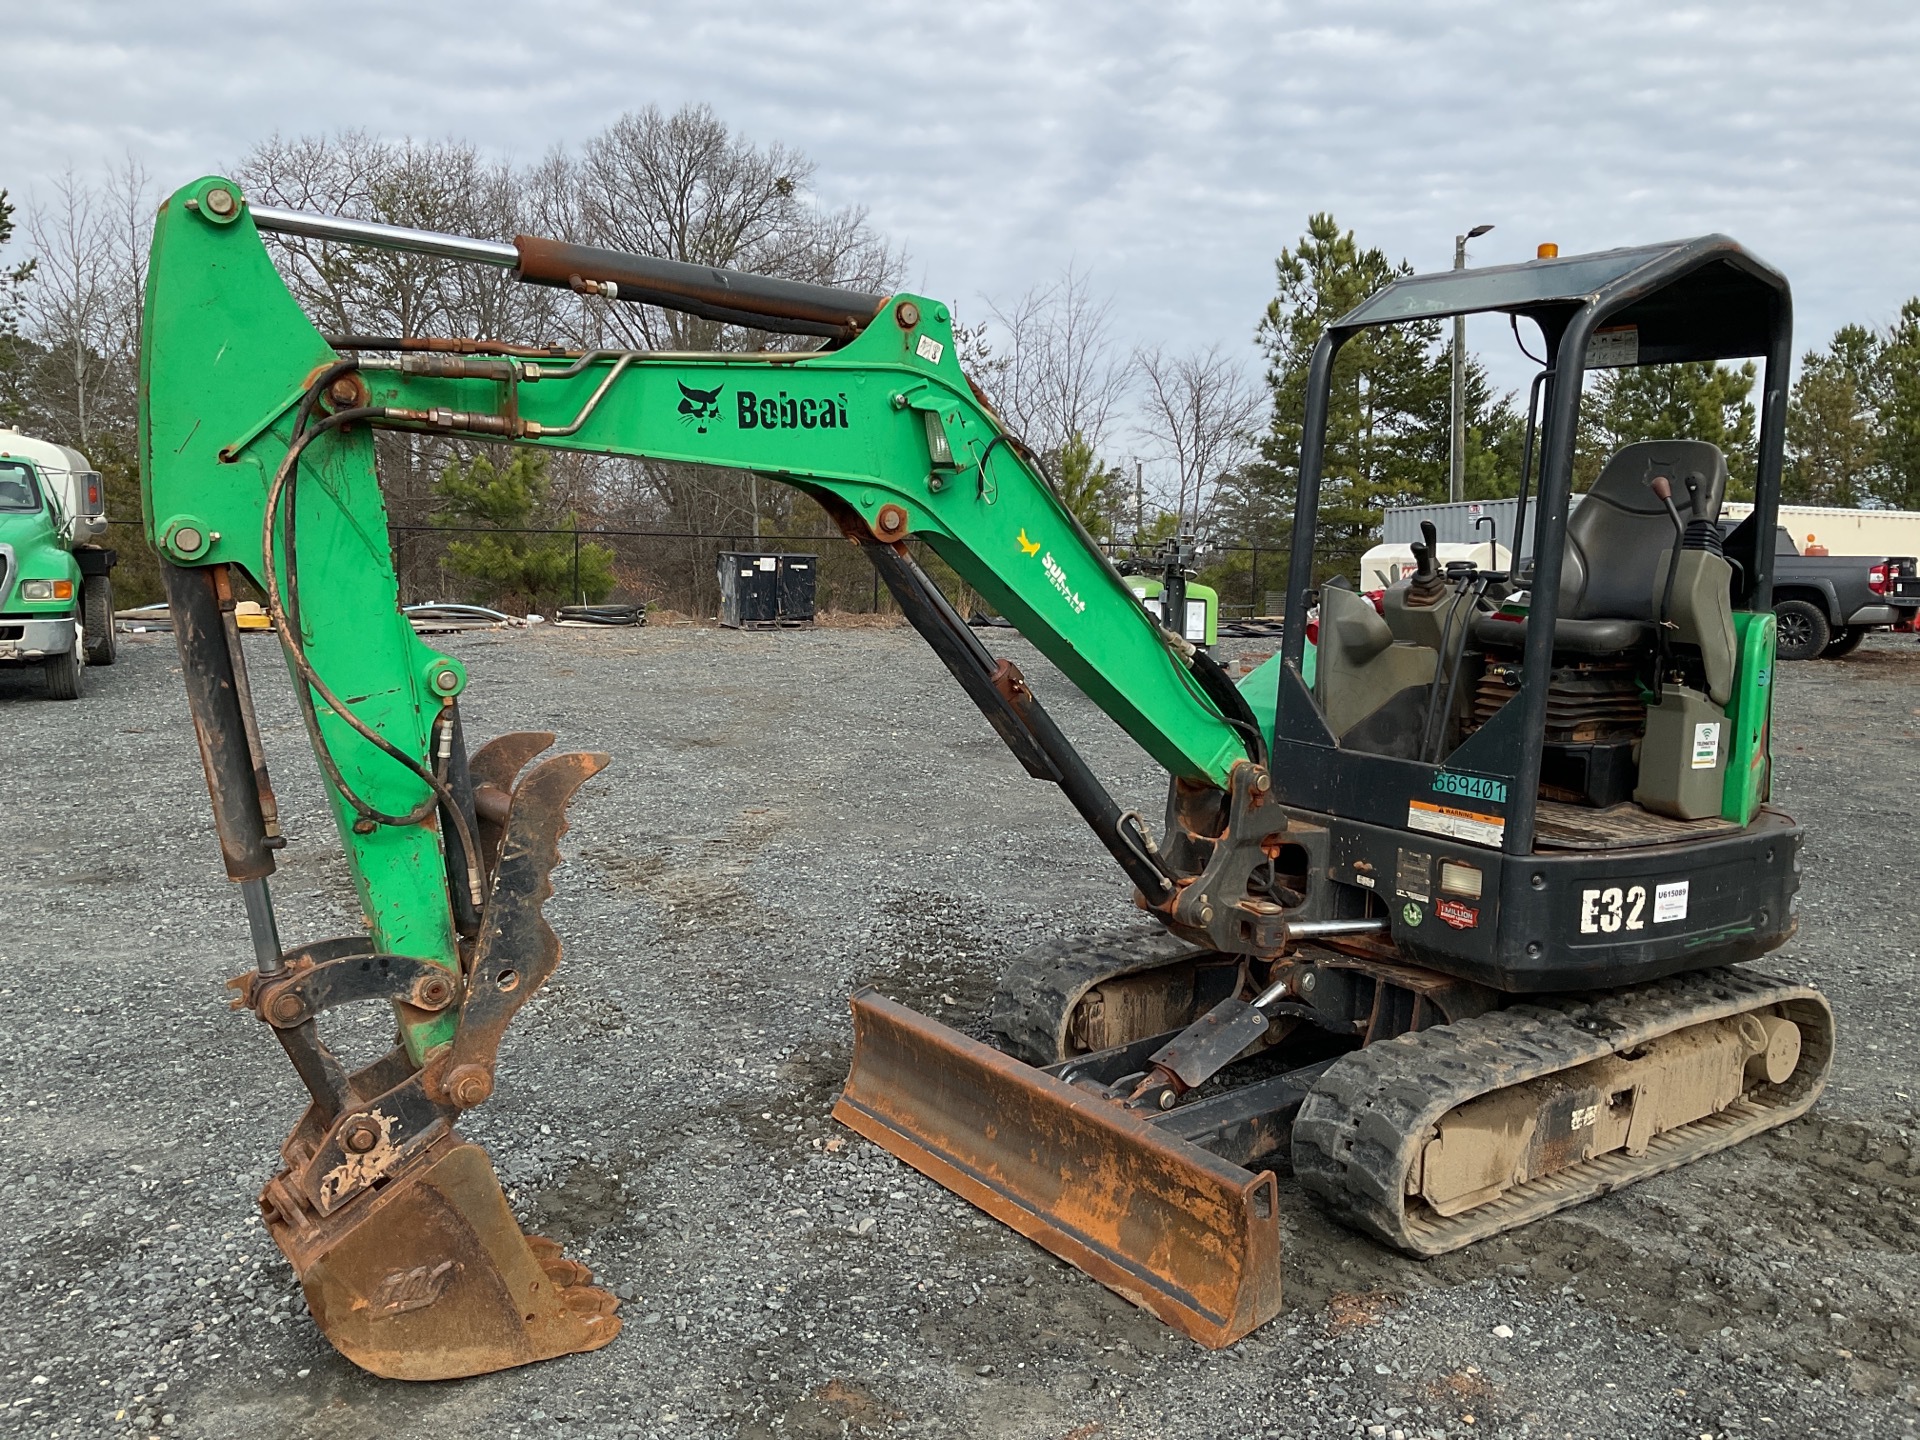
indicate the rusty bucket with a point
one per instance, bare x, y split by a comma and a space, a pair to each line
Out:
1171, 1227
430, 1278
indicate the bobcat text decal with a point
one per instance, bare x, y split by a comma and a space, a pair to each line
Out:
791, 412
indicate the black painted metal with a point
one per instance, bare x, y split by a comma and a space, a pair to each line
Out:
1023, 723
1248, 1124
734, 297
214, 699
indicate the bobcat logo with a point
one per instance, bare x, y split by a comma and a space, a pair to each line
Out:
697, 407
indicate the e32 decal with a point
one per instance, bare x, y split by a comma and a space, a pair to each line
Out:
1613, 909
1624, 907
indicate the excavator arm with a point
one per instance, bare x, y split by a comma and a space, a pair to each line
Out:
257, 437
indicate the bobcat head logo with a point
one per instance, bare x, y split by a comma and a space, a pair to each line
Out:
697, 407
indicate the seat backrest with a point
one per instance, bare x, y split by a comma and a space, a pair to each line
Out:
1616, 536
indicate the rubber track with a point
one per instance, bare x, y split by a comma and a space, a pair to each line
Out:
1364, 1122
1030, 1007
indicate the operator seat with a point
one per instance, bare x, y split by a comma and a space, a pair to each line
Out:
1617, 539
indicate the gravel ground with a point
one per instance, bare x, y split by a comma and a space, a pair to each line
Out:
790, 815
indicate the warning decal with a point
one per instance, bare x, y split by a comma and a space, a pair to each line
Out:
1473, 826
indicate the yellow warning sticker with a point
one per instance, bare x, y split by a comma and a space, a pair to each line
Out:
1472, 826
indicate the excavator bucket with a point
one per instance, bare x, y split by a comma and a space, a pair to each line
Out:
430, 1278
1169, 1226
412, 1263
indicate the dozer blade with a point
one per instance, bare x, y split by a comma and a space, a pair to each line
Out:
430, 1278
1171, 1227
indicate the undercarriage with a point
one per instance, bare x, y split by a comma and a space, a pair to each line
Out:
1426, 1111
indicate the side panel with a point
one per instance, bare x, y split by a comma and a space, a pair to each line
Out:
1749, 715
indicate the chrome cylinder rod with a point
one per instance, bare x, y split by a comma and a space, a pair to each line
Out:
1309, 929
385, 237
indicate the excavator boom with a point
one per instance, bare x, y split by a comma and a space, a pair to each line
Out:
257, 437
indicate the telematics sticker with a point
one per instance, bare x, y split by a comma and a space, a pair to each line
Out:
930, 350
1469, 825
1670, 902
1413, 877
1706, 744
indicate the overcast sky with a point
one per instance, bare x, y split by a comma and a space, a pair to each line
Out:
1170, 149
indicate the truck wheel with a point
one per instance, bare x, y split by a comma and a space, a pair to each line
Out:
1844, 642
96, 618
1804, 632
63, 675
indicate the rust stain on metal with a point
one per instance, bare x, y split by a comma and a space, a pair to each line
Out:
517, 949
890, 523
729, 295
360, 1167
1169, 1226
430, 1278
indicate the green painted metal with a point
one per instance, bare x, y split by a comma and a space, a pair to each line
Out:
1749, 715
887, 420
858, 425
224, 348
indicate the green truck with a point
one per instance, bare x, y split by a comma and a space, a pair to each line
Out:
56, 586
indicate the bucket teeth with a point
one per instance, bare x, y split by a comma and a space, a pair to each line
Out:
590, 1301
560, 1269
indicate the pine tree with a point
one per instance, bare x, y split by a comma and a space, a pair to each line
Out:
1896, 394
1833, 445
504, 561
1087, 485
17, 354
1693, 400
1388, 420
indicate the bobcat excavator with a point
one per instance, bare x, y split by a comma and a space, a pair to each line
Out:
1443, 910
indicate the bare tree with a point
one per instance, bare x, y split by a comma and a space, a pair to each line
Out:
677, 185
1199, 412
352, 290
1059, 372
83, 306
447, 186
684, 187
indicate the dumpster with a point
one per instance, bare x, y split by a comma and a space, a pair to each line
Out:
760, 589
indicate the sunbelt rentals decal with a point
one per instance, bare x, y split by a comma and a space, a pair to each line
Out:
1055, 572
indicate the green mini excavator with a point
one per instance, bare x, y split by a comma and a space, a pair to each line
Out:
1444, 911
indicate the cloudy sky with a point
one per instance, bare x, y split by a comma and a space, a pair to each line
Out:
1171, 149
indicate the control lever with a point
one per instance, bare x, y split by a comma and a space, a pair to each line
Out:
1427, 585
1663, 491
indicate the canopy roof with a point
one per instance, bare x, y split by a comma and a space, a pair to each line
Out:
1701, 299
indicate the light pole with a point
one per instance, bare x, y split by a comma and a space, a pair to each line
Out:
1457, 451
